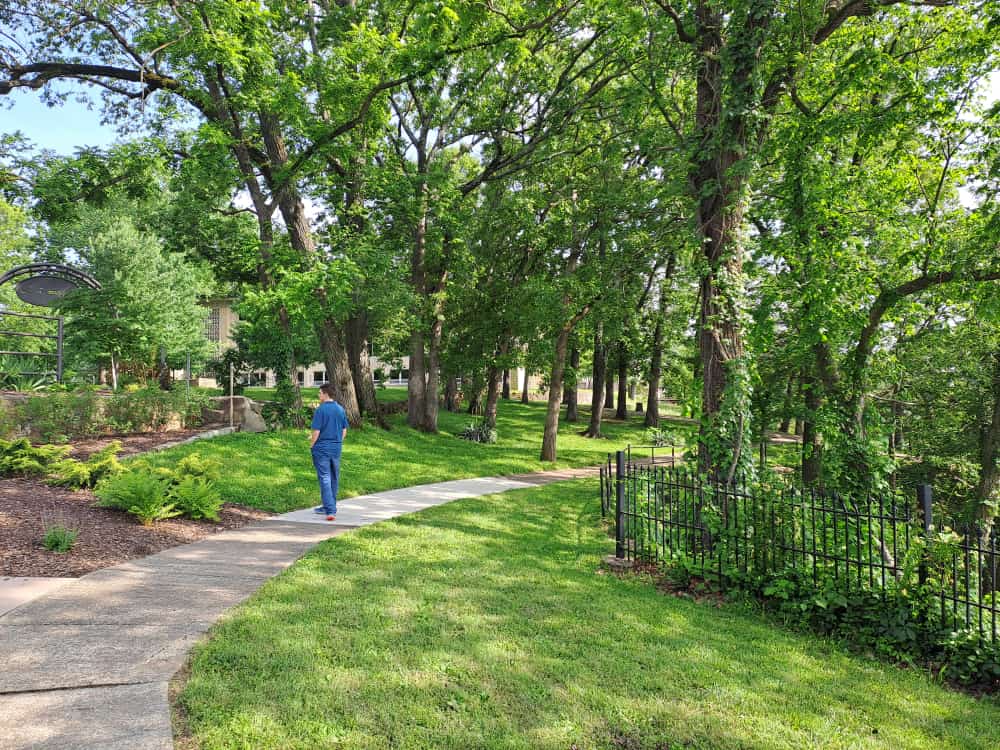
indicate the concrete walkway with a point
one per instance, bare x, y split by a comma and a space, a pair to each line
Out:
87, 665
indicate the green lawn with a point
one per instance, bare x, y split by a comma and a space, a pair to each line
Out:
486, 623
273, 471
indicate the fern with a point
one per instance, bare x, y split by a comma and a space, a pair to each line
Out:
197, 498
141, 494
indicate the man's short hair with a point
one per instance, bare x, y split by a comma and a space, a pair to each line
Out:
327, 389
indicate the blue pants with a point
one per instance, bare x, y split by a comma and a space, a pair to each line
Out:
326, 459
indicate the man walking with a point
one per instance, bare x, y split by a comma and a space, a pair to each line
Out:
329, 428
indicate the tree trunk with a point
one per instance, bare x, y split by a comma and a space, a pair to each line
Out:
555, 397
430, 418
416, 385
475, 394
417, 388
719, 185
506, 384
622, 411
609, 381
989, 471
655, 370
451, 394
524, 388
597, 394
573, 391
338, 371
786, 407
492, 396
812, 442
358, 360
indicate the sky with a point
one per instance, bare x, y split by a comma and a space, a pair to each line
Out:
71, 125
61, 129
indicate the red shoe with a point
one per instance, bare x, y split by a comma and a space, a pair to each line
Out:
331, 518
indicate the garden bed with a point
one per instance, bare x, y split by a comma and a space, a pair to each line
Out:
83, 448
106, 537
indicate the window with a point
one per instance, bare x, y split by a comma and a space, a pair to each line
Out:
213, 325
319, 376
301, 377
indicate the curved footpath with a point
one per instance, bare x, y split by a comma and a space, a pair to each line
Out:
87, 666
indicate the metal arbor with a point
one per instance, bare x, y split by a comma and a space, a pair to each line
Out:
43, 285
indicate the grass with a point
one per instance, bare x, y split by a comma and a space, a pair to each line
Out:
385, 395
274, 472
486, 623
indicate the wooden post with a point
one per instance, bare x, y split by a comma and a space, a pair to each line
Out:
231, 378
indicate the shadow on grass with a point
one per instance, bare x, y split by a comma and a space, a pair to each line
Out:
485, 623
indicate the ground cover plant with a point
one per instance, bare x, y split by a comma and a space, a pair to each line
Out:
274, 472
488, 623
59, 538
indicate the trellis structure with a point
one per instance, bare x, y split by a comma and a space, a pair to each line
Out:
43, 285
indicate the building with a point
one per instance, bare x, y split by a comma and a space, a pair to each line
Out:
219, 326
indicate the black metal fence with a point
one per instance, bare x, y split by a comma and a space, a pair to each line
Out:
732, 533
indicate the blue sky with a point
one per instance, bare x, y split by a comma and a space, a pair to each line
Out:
63, 128
71, 125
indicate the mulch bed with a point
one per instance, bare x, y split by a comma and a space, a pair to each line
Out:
82, 448
106, 537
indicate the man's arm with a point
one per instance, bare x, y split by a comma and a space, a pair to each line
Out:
314, 437
343, 435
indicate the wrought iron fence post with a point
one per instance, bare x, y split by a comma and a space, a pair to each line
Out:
619, 504
59, 350
924, 499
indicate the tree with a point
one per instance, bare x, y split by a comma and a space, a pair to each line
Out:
744, 60
148, 301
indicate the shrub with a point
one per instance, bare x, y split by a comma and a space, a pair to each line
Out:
80, 474
21, 458
9, 420
60, 416
195, 466
138, 492
281, 413
479, 433
59, 538
197, 498
660, 437
70, 473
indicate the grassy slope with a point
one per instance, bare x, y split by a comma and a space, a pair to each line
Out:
273, 471
484, 624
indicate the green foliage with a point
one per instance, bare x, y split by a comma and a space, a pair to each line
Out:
494, 605
235, 358
197, 498
479, 432
138, 492
20, 458
149, 299
286, 410
197, 466
141, 409
61, 416
69, 472
57, 417
153, 492
59, 538
10, 418
901, 622
660, 437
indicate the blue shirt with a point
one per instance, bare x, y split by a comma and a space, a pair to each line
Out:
331, 421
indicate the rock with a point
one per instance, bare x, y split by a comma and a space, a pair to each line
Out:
246, 413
